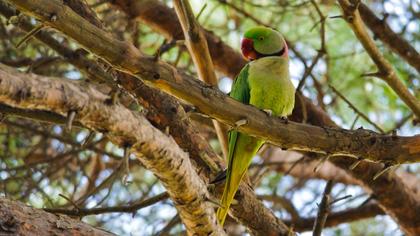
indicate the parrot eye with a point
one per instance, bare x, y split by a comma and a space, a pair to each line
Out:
261, 38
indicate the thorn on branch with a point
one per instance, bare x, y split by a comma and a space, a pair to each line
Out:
30, 34
70, 118
241, 122
294, 165
193, 110
126, 160
340, 199
387, 167
322, 161
356, 163
70, 201
88, 139
220, 177
214, 202
201, 11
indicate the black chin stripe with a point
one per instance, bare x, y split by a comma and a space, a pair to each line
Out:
279, 53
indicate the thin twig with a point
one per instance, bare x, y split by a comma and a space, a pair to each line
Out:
196, 43
386, 71
354, 108
324, 208
102, 210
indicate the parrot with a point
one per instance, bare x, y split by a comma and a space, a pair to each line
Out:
263, 82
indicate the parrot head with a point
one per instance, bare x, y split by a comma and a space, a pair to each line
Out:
262, 42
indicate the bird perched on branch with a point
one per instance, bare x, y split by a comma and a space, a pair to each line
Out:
264, 83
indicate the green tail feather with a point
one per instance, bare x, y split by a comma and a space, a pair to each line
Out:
240, 156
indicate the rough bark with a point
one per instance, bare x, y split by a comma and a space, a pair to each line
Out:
226, 60
158, 152
395, 198
170, 28
388, 197
199, 52
385, 70
336, 218
164, 20
164, 112
289, 135
392, 40
19, 219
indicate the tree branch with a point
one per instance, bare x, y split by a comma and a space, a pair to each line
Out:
386, 71
131, 208
199, 51
164, 112
394, 41
19, 219
125, 128
390, 188
323, 210
336, 218
226, 60
357, 143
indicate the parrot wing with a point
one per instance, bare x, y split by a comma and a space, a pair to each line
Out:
240, 92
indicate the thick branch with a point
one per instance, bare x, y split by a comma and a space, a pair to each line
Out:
394, 41
164, 20
199, 51
385, 69
388, 199
125, 57
164, 111
226, 60
158, 152
336, 218
19, 219
399, 200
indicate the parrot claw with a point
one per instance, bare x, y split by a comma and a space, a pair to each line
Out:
220, 177
268, 112
241, 123
285, 119
234, 202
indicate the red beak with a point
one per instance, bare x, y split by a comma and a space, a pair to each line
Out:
247, 48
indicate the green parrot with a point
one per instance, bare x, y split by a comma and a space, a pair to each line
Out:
264, 83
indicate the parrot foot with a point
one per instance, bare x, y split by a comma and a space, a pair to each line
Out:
234, 202
241, 123
268, 112
220, 177
285, 119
